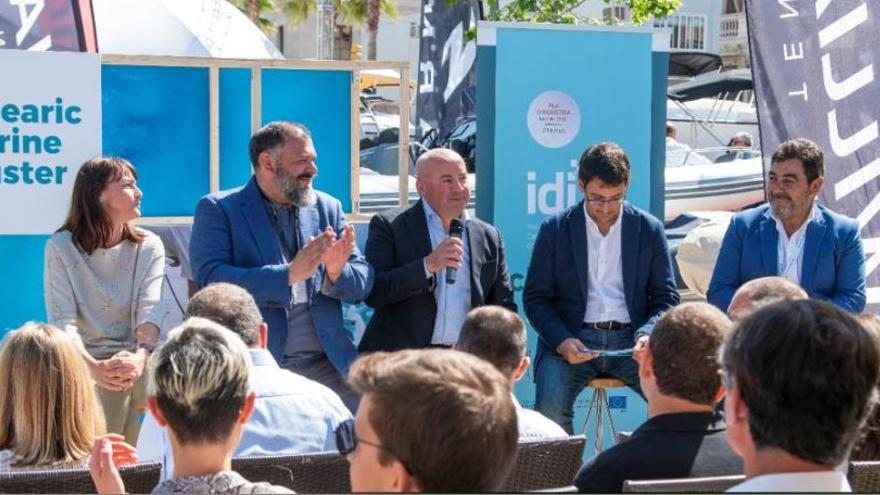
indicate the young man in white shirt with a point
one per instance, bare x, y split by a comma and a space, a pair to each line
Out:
801, 378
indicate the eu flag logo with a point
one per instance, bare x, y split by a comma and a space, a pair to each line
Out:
617, 402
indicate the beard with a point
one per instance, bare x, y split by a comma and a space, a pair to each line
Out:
302, 197
783, 211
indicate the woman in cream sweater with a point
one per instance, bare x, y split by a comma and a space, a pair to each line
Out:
103, 282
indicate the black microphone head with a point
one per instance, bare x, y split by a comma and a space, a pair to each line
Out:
456, 228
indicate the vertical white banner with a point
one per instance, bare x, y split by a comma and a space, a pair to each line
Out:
50, 123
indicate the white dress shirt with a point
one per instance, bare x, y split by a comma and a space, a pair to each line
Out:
292, 415
534, 425
606, 299
790, 250
815, 481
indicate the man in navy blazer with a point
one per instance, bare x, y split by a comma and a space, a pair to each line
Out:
793, 237
599, 277
290, 247
411, 252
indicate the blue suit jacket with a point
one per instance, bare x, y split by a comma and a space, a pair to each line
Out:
555, 296
833, 263
233, 241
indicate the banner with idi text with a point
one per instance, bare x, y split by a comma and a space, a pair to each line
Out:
546, 93
47, 130
815, 77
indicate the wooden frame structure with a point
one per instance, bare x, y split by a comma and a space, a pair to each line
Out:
215, 64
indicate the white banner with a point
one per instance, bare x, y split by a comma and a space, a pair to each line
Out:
50, 123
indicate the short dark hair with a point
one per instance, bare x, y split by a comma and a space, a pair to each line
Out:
807, 371
606, 162
495, 334
447, 416
272, 136
808, 152
230, 306
684, 346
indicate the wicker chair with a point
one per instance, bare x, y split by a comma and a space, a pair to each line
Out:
864, 476
138, 478
546, 464
715, 484
326, 472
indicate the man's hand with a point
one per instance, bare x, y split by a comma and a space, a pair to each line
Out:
336, 256
110, 452
574, 351
309, 257
449, 254
640, 348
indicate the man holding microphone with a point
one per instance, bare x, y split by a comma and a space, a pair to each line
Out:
433, 263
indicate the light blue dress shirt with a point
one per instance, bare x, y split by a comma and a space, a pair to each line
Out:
292, 415
453, 301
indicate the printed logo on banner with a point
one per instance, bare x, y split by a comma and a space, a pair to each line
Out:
554, 119
50, 123
617, 402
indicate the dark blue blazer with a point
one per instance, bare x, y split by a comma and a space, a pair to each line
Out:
233, 241
555, 295
833, 264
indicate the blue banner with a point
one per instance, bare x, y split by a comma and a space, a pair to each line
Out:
814, 72
547, 93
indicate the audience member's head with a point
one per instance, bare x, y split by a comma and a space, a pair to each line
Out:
50, 411
801, 378
868, 447
680, 365
740, 140
671, 131
871, 322
429, 420
761, 292
497, 335
199, 385
233, 308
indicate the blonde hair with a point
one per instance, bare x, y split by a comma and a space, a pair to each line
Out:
50, 412
200, 380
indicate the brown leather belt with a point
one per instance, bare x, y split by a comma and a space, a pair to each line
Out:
606, 325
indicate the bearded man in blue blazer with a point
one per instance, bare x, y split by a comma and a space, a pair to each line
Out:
793, 237
599, 278
290, 247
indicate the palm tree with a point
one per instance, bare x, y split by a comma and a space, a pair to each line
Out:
367, 11
351, 12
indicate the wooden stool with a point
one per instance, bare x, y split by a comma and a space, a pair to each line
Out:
600, 400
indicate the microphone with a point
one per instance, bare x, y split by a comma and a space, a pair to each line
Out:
456, 228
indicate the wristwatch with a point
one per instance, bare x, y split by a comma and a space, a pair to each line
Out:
149, 346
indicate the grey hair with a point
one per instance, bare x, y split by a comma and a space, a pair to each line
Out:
230, 306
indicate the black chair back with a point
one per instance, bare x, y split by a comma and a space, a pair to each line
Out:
864, 476
714, 484
546, 464
138, 478
326, 472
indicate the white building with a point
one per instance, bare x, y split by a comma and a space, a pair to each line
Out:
714, 26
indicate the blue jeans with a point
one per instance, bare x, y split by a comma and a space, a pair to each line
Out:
557, 383
315, 366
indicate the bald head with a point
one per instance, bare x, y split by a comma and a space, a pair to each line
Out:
438, 156
760, 292
441, 179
